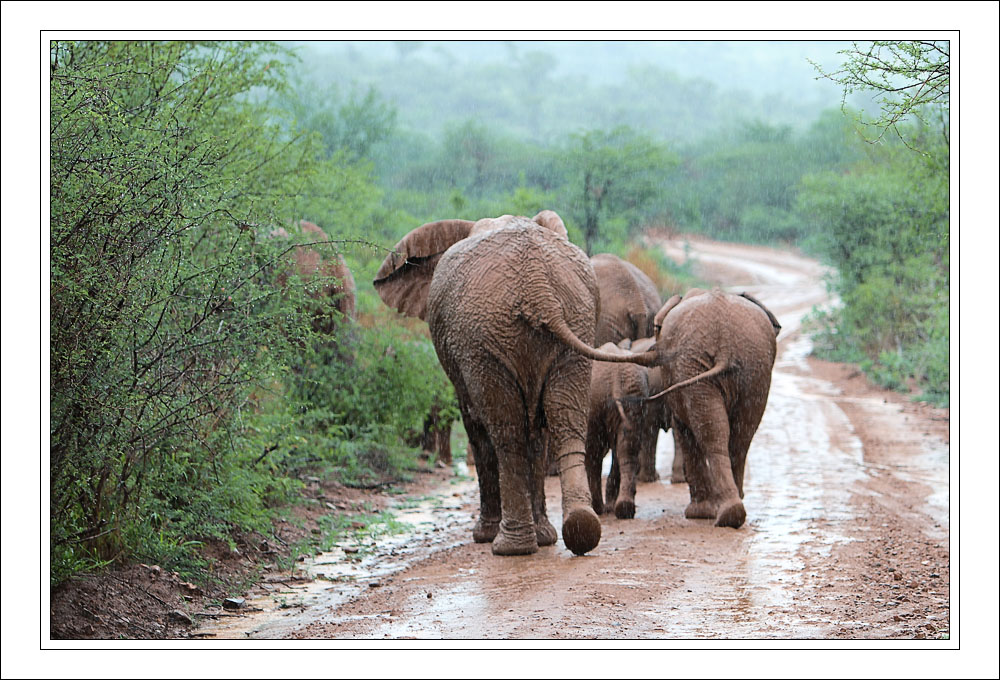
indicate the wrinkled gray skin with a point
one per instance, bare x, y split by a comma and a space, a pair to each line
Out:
512, 306
629, 300
716, 352
628, 303
616, 420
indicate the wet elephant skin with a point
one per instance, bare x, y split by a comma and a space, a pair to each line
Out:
512, 307
731, 339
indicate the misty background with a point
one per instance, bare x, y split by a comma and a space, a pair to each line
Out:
679, 89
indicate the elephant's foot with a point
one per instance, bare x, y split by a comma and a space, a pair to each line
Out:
648, 476
485, 530
545, 532
625, 508
581, 529
521, 540
677, 478
701, 510
731, 514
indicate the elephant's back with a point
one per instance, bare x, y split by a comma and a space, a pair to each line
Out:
493, 281
489, 303
704, 329
646, 290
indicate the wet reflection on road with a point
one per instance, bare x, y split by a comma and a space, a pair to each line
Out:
659, 575
801, 471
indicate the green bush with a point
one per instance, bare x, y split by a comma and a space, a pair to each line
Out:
884, 226
173, 413
361, 405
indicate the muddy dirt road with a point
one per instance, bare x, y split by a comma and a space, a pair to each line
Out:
847, 532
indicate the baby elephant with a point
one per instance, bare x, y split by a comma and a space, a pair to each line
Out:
616, 420
716, 351
655, 417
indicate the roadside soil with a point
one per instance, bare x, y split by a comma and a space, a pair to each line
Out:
147, 602
847, 534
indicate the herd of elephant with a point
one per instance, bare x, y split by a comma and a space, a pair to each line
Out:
556, 358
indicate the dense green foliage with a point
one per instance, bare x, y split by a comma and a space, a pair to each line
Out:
885, 224
188, 390
654, 149
178, 369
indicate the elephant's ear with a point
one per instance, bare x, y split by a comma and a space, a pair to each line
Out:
550, 220
770, 316
404, 278
662, 314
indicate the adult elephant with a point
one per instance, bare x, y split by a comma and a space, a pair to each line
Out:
716, 352
512, 306
629, 300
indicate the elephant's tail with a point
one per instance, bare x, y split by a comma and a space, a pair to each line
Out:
561, 330
721, 364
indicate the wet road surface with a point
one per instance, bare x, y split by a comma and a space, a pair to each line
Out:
846, 536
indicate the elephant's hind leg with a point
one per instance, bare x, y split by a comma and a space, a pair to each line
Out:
517, 527
700, 507
647, 456
677, 469
627, 453
710, 426
495, 397
594, 458
566, 417
487, 471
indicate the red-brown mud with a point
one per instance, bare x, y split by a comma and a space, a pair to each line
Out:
847, 534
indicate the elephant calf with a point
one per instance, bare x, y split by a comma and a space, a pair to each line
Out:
617, 419
655, 417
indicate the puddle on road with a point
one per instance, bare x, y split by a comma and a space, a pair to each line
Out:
432, 523
802, 468
805, 464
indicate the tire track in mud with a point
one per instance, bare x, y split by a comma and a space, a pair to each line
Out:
833, 517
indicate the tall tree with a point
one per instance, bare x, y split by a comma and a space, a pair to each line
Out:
613, 177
